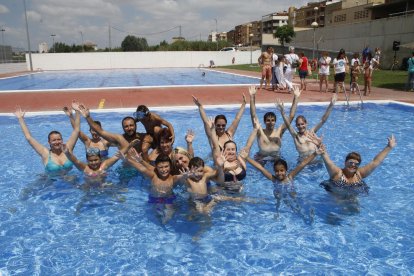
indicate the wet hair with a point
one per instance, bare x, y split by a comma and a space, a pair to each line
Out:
220, 116
196, 162
93, 152
98, 123
53, 132
228, 142
301, 117
163, 158
280, 162
353, 155
143, 108
128, 118
164, 134
269, 115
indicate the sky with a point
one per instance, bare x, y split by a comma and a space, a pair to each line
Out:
72, 21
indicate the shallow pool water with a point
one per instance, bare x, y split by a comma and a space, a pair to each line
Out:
53, 228
123, 78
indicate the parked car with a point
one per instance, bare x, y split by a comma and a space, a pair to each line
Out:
228, 49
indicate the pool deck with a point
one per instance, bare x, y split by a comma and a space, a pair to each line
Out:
160, 97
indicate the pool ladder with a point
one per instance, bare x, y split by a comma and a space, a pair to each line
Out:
348, 95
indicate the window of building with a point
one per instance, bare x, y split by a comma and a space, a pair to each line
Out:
361, 14
340, 18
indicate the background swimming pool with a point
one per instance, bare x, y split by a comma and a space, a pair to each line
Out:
123, 78
53, 228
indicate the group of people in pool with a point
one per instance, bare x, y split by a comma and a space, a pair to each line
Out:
152, 154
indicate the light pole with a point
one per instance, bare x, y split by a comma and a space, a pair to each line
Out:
2, 46
83, 48
251, 49
314, 25
27, 35
216, 35
53, 42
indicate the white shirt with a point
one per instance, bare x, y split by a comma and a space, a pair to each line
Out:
339, 65
274, 59
291, 58
324, 65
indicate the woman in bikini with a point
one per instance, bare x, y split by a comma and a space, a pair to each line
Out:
54, 159
220, 122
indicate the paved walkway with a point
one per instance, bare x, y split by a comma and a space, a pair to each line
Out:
159, 97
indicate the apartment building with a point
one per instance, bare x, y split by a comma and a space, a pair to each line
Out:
269, 24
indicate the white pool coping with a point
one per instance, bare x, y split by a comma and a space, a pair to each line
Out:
222, 106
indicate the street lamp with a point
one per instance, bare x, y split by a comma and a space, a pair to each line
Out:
216, 35
251, 49
83, 47
314, 25
2, 46
53, 42
27, 35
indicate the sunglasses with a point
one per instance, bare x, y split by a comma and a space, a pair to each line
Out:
220, 125
352, 163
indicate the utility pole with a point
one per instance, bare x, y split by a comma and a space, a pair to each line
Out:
53, 42
28, 38
83, 46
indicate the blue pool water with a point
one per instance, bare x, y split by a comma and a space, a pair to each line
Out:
122, 78
53, 228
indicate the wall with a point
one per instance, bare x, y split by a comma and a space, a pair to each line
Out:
110, 60
353, 37
12, 67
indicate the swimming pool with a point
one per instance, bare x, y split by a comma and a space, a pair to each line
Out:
53, 228
123, 78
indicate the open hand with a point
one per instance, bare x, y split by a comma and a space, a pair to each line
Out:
252, 90
19, 113
189, 136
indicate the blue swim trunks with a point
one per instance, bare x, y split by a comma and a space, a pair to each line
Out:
161, 200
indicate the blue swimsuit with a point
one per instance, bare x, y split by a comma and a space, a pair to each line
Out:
52, 167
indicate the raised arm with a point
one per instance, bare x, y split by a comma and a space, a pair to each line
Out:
281, 108
296, 93
70, 144
253, 114
113, 138
78, 164
140, 164
204, 118
333, 170
82, 136
233, 127
39, 148
189, 137
301, 165
371, 166
165, 123
259, 167
326, 115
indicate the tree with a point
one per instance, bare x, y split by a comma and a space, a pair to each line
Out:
285, 34
134, 44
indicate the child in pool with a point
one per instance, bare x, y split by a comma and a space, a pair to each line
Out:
96, 166
282, 180
162, 181
197, 185
153, 123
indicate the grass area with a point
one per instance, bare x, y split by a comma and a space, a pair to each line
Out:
380, 78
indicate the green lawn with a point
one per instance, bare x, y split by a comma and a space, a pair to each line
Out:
381, 78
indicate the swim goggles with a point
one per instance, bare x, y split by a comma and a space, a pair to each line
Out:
139, 115
93, 151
